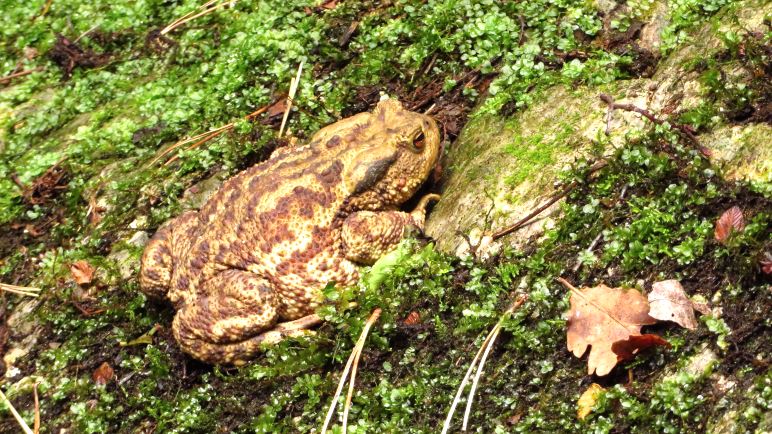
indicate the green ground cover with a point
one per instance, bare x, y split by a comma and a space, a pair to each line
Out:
103, 124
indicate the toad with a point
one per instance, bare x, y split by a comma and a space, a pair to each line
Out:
248, 267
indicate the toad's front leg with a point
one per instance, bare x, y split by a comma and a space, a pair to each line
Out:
368, 235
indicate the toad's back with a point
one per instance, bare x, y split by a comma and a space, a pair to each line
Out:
280, 219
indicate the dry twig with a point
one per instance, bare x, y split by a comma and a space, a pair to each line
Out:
685, 130
290, 98
351, 367
205, 9
36, 425
15, 414
483, 352
202, 138
20, 290
10, 77
527, 219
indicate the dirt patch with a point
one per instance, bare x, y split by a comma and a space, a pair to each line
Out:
69, 55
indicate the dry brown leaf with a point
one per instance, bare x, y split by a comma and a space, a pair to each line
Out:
330, 4
587, 401
731, 220
629, 348
277, 108
82, 272
668, 302
413, 318
103, 374
601, 316
766, 263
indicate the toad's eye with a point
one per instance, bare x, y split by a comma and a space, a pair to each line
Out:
419, 141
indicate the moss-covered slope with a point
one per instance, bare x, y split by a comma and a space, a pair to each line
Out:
84, 175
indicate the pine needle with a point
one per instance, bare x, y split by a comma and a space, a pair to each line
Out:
290, 98
36, 425
20, 290
350, 368
205, 9
16, 415
202, 138
482, 356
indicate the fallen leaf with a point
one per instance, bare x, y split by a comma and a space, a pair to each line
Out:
103, 374
766, 263
668, 302
587, 401
601, 316
629, 348
82, 272
731, 220
277, 108
413, 318
330, 4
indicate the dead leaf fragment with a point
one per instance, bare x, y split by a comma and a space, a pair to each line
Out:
766, 263
413, 318
731, 220
587, 400
629, 348
82, 272
601, 316
103, 374
668, 302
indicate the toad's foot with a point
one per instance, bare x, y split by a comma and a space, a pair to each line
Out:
239, 353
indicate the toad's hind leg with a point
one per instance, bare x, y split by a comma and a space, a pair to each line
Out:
158, 257
230, 319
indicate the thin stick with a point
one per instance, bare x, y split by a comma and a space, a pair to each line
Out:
94, 27
481, 352
190, 16
684, 129
10, 77
20, 290
461, 388
588, 250
373, 317
525, 220
291, 97
16, 414
36, 426
495, 333
359, 347
204, 137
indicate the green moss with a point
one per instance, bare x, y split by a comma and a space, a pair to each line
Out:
110, 123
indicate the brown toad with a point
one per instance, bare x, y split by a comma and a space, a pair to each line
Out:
264, 246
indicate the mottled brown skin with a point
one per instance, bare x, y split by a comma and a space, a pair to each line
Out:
262, 248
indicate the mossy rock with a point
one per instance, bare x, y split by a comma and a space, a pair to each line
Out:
501, 168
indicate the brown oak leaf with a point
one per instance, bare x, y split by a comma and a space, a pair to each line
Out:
601, 316
629, 348
731, 220
103, 374
82, 272
668, 302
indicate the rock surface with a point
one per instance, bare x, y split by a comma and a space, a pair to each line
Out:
502, 168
